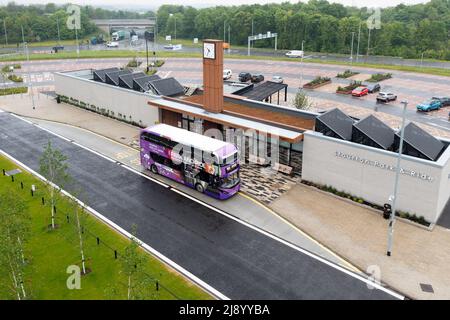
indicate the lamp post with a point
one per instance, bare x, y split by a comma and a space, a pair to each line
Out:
351, 51
6, 35
25, 48
301, 65
359, 39
175, 17
393, 198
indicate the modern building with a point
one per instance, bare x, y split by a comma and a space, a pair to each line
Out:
355, 156
364, 166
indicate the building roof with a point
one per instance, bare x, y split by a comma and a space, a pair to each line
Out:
142, 84
422, 141
376, 130
99, 75
263, 91
126, 80
179, 106
169, 87
113, 77
189, 138
338, 122
290, 118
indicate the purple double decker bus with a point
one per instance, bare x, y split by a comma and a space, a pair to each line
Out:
209, 165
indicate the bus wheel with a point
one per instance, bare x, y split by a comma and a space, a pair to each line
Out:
154, 169
199, 188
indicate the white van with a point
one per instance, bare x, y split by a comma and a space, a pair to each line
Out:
295, 54
227, 74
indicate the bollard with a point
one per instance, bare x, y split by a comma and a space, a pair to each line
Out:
21, 185
157, 285
98, 241
4, 172
68, 219
54, 209
12, 178
115, 254
32, 193
43, 201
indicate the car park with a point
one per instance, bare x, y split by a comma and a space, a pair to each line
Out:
227, 73
373, 87
445, 101
112, 44
295, 54
245, 76
429, 105
277, 79
386, 97
256, 78
360, 91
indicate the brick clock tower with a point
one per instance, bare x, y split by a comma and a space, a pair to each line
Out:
213, 75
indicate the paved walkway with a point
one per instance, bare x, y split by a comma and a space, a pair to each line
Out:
360, 235
115, 140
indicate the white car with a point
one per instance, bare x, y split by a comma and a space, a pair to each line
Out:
295, 54
112, 44
277, 79
227, 73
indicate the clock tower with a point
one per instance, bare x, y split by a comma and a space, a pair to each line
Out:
213, 75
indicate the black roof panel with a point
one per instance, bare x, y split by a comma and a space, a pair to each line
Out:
99, 75
338, 122
126, 80
376, 130
167, 87
422, 141
113, 76
142, 84
264, 90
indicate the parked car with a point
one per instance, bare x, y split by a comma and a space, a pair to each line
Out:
386, 97
57, 48
256, 78
227, 73
373, 87
277, 79
445, 101
429, 105
244, 76
295, 54
360, 91
112, 44
168, 46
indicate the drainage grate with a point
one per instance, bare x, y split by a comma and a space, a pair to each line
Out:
426, 287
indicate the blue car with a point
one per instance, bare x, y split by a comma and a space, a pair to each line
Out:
429, 105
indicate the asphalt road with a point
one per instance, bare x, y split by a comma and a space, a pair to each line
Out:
236, 260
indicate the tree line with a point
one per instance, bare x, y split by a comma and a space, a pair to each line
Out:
405, 30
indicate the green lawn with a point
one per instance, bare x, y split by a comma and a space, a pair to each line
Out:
51, 252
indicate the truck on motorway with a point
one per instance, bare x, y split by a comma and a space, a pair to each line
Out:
210, 166
295, 54
120, 35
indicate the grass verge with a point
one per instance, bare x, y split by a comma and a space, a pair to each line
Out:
51, 252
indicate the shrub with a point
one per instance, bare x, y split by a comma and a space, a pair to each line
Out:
15, 78
379, 77
16, 90
133, 63
151, 72
346, 74
353, 85
301, 101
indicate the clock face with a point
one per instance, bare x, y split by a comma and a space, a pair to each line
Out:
209, 51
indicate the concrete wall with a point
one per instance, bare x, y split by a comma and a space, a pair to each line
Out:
369, 173
125, 104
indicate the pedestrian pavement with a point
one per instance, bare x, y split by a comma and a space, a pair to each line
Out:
419, 257
116, 139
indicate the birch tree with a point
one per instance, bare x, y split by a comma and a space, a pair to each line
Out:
54, 167
14, 231
80, 217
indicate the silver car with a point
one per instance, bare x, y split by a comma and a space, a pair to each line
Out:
277, 79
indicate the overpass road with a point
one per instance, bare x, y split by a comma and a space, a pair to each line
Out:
238, 261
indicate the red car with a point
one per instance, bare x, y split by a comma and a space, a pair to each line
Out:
360, 91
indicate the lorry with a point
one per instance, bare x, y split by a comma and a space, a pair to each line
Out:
97, 40
295, 54
120, 35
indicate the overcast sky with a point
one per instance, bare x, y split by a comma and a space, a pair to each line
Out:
201, 3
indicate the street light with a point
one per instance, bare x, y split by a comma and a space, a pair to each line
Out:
393, 198
175, 17
301, 64
6, 35
351, 53
25, 47
359, 39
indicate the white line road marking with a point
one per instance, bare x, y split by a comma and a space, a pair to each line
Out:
310, 254
167, 74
